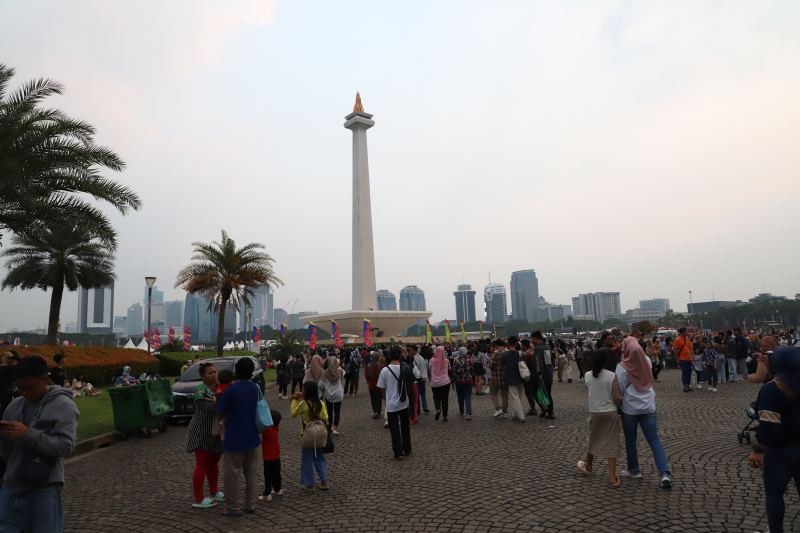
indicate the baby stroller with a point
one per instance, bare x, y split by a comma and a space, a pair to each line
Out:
744, 434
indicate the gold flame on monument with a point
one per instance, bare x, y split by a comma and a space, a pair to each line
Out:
358, 106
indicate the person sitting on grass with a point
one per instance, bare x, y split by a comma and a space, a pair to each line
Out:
81, 387
123, 377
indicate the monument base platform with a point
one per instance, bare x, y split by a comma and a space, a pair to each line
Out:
390, 323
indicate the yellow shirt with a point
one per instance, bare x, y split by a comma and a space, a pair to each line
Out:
301, 408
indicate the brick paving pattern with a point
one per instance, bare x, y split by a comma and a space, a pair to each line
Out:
464, 476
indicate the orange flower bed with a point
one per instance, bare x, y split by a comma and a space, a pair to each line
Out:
98, 362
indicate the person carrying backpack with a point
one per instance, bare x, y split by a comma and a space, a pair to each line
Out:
314, 415
464, 376
394, 379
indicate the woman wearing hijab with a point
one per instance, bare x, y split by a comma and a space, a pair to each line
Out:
777, 447
465, 376
440, 382
635, 383
314, 371
372, 372
333, 391
763, 371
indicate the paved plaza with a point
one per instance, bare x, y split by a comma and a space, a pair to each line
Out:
463, 476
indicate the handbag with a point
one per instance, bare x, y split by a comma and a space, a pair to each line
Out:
541, 395
524, 371
263, 416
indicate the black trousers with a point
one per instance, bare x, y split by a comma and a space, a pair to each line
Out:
272, 476
297, 382
350, 383
376, 398
441, 397
657, 367
530, 393
578, 361
282, 388
399, 427
334, 408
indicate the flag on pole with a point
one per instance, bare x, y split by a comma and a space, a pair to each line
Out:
187, 338
171, 335
157, 341
283, 330
481, 328
256, 334
463, 331
312, 336
427, 331
367, 332
447, 330
337, 336
147, 339
494, 329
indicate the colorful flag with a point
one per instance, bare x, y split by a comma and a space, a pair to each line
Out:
187, 338
447, 330
463, 331
481, 329
256, 335
147, 339
494, 329
427, 332
171, 335
367, 332
337, 336
283, 330
157, 340
312, 336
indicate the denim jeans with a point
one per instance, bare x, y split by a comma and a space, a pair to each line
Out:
732, 368
686, 373
721, 368
464, 394
648, 424
780, 466
307, 465
422, 395
742, 363
33, 511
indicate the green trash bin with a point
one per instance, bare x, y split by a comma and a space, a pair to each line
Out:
141, 407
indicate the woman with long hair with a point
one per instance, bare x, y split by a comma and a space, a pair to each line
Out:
310, 408
604, 425
440, 382
204, 441
314, 371
333, 391
81, 387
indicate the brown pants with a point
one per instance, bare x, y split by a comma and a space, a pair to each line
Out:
493, 390
234, 464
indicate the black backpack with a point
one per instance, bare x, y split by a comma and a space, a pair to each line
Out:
405, 381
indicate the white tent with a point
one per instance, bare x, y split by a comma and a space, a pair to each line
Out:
142, 345
228, 346
129, 345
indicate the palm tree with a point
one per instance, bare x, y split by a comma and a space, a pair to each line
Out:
290, 345
48, 162
55, 256
225, 274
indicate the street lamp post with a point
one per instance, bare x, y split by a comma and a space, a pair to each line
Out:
247, 317
150, 280
691, 305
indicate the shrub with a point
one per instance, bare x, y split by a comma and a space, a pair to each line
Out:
99, 363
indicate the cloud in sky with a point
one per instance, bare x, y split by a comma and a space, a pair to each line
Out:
648, 148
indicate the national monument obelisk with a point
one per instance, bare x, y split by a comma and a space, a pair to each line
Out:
365, 293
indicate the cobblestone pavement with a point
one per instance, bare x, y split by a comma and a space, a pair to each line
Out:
464, 476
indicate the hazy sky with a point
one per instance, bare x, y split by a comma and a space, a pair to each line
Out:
649, 148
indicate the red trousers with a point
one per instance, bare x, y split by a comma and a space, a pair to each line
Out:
206, 466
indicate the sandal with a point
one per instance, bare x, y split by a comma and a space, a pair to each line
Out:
230, 512
582, 468
617, 484
205, 504
323, 487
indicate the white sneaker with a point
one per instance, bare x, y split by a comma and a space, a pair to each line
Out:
498, 413
267, 498
666, 482
279, 493
714, 389
469, 417
699, 387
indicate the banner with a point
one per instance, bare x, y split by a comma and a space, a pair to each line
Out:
187, 338
367, 333
256, 335
494, 329
147, 339
171, 335
337, 336
283, 330
427, 332
157, 340
463, 332
312, 336
447, 330
481, 329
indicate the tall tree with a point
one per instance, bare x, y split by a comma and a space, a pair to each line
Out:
227, 275
49, 164
56, 256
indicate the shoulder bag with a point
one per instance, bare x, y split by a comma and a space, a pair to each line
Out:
263, 416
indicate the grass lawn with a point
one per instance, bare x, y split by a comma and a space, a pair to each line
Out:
97, 416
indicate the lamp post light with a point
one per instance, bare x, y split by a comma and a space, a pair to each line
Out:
247, 317
150, 280
691, 305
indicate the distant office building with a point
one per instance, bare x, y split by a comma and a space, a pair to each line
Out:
655, 304
465, 303
96, 310
158, 296
70, 327
766, 297
294, 321
173, 315
386, 301
276, 318
651, 310
412, 298
201, 319
705, 307
230, 324
133, 320
524, 295
262, 302
119, 326
599, 306
548, 312
495, 304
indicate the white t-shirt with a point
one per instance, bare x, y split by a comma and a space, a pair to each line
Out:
386, 380
600, 399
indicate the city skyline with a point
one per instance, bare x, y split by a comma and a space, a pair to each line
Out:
637, 104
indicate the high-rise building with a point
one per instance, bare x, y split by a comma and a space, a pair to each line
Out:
201, 319
524, 295
386, 301
650, 310
276, 318
119, 326
495, 304
158, 296
412, 298
133, 320
173, 315
96, 310
465, 303
262, 303
655, 304
599, 306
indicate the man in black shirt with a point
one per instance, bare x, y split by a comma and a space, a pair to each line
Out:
57, 375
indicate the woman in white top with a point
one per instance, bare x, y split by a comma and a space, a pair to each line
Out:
604, 425
635, 381
333, 391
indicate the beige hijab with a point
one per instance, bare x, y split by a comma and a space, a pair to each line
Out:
314, 371
332, 373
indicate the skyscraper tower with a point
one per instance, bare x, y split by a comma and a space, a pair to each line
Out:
364, 287
494, 297
465, 303
524, 295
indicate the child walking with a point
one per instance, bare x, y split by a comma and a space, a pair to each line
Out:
271, 450
710, 361
697, 364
